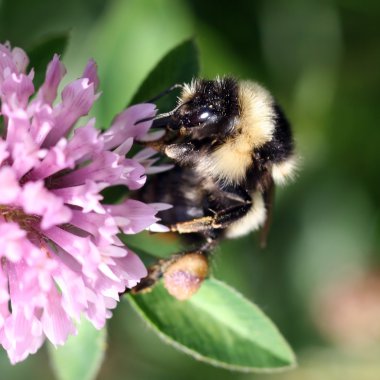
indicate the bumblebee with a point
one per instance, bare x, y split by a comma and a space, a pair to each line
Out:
231, 144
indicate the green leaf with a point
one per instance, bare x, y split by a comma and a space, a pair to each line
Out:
155, 244
217, 325
81, 356
178, 66
42, 53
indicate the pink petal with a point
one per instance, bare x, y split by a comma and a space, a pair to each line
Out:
26, 155
91, 73
3, 151
152, 136
132, 269
56, 325
7, 66
13, 242
156, 227
55, 160
96, 312
124, 125
4, 296
20, 59
86, 196
125, 147
160, 206
144, 158
81, 249
144, 154
42, 121
74, 292
37, 200
102, 227
9, 189
22, 336
54, 74
133, 216
104, 167
133, 175
85, 142
158, 169
77, 99
16, 90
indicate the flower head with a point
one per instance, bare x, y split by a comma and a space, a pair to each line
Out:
60, 255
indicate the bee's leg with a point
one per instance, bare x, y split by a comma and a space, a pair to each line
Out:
268, 196
155, 272
180, 153
220, 220
158, 270
158, 145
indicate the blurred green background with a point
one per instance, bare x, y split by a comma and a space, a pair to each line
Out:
319, 277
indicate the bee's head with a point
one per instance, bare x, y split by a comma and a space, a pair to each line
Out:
206, 108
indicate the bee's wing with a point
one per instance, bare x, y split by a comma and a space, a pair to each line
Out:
268, 196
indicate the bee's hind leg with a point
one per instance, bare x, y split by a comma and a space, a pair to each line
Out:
183, 272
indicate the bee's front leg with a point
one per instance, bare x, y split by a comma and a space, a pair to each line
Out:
159, 145
183, 153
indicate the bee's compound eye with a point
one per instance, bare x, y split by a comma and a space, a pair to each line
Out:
204, 115
196, 115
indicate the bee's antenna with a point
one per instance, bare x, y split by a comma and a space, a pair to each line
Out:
145, 119
152, 100
161, 115
157, 117
163, 93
